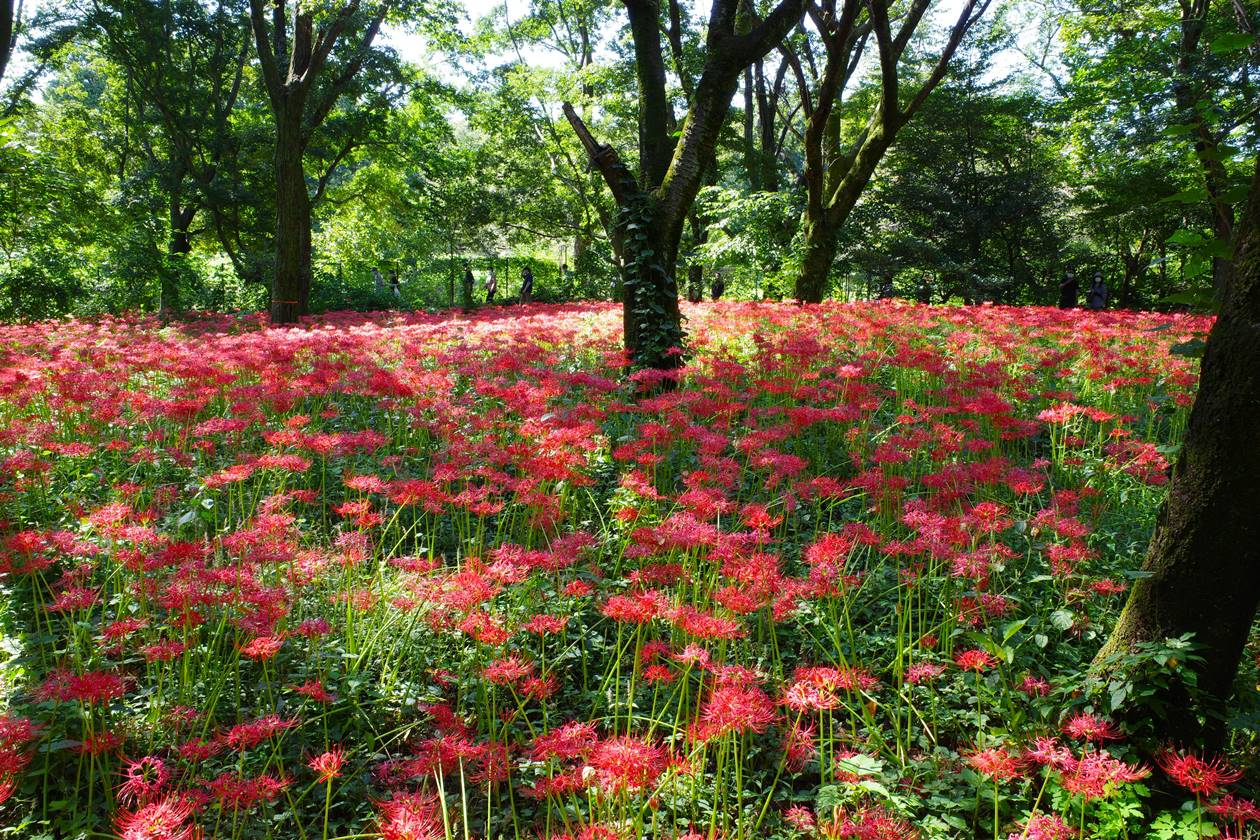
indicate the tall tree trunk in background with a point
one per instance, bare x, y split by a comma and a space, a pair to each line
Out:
1207, 146
752, 161
290, 291
653, 208
9, 12
292, 53
767, 111
178, 246
1205, 553
836, 179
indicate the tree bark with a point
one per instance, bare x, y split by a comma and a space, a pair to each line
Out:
825, 218
179, 245
7, 27
1206, 145
1204, 555
752, 162
292, 283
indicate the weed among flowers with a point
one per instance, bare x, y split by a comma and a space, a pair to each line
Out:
431, 577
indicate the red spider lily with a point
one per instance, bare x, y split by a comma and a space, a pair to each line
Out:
1236, 810
410, 816
974, 660
143, 779
1044, 827
799, 746
1202, 777
996, 763
1097, 775
93, 687
571, 740
923, 672
163, 819
242, 793
734, 709
327, 765
1087, 727
315, 690
627, 764
244, 736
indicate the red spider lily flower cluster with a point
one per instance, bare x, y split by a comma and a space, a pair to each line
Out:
457, 575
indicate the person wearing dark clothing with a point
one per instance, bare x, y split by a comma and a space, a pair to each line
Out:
718, 288
1096, 294
1068, 291
468, 286
492, 286
527, 284
395, 285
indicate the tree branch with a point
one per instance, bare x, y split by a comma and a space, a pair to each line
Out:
603, 157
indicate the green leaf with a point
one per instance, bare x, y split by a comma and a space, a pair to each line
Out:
1192, 348
860, 765
1185, 237
1062, 619
1231, 42
1013, 628
1192, 195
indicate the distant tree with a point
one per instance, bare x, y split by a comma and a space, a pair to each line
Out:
1174, 84
837, 173
310, 58
968, 201
184, 65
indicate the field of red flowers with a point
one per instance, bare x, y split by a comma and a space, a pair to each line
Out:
438, 577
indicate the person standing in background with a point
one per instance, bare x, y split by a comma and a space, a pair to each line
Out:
527, 284
1068, 291
395, 284
467, 297
1096, 294
492, 285
378, 282
718, 288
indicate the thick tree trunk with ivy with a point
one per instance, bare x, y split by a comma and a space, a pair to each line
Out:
1204, 558
653, 208
835, 178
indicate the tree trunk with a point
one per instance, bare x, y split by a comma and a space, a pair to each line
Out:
752, 161
821, 226
178, 246
819, 254
653, 208
1205, 551
6, 33
695, 282
291, 288
291, 56
651, 317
